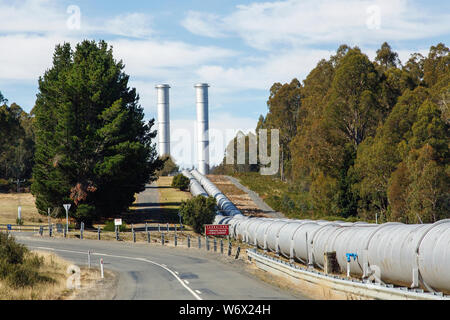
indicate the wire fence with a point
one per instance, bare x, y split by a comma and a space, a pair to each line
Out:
161, 234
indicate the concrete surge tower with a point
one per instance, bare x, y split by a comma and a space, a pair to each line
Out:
202, 127
163, 119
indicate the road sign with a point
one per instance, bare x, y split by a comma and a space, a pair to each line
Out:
67, 207
217, 229
117, 222
9, 227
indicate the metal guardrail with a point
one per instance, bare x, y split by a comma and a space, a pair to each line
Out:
175, 237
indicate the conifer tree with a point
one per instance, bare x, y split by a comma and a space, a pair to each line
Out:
93, 148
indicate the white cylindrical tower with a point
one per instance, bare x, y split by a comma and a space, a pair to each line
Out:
163, 119
202, 127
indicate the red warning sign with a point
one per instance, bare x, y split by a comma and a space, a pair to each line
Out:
217, 229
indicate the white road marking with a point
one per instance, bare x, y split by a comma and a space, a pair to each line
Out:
45, 248
187, 282
198, 291
196, 296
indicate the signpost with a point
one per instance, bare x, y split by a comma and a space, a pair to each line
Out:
117, 224
217, 229
67, 207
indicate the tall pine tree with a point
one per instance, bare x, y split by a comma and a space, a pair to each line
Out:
93, 148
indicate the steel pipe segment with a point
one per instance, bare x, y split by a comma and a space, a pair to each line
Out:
194, 186
302, 239
351, 240
224, 204
393, 250
434, 255
286, 234
261, 232
273, 233
252, 228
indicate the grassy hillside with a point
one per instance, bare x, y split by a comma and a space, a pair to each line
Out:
284, 197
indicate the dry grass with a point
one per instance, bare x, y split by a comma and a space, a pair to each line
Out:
8, 209
53, 267
56, 268
170, 198
240, 199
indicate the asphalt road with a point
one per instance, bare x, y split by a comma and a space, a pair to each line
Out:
150, 272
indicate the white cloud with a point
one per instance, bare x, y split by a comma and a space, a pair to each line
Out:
279, 67
204, 24
135, 25
300, 23
165, 58
38, 16
50, 17
26, 57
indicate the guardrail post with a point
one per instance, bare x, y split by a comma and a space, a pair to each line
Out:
117, 233
168, 227
175, 228
134, 235
81, 230
159, 228
41, 230
132, 228
237, 252
162, 238
189, 241
50, 231
215, 245
148, 236
65, 232
199, 242
221, 246
229, 248
207, 243
146, 227
175, 240
98, 233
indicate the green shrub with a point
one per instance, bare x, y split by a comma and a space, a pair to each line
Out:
198, 211
181, 182
25, 276
19, 222
11, 251
109, 226
18, 266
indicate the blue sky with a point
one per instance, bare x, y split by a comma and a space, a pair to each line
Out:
239, 47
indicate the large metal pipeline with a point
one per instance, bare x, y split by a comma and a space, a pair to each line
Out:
194, 186
411, 255
225, 205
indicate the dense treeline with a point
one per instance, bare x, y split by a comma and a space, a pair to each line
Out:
365, 138
16, 145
